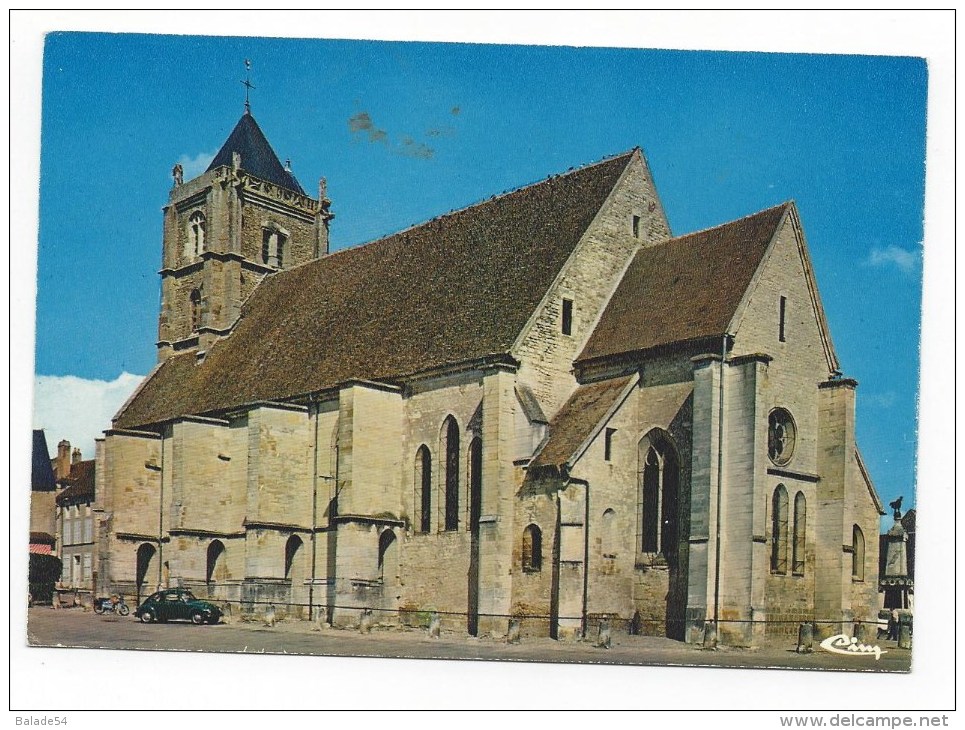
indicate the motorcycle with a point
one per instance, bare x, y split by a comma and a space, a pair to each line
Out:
113, 604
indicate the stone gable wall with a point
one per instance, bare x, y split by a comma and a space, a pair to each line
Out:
588, 279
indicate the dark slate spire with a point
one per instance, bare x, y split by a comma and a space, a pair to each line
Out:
257, 156
42, 474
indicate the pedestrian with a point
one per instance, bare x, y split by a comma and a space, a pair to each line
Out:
893, 625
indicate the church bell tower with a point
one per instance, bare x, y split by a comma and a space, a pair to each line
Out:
245, 218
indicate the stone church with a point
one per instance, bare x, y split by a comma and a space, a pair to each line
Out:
543, 407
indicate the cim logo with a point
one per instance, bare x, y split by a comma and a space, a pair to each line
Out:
849, 646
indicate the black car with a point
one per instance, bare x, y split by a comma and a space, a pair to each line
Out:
177, 603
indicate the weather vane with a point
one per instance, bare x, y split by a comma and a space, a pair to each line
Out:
248, 85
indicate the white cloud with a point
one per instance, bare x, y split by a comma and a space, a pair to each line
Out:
194, 166
904, 259
72, 408
879, 400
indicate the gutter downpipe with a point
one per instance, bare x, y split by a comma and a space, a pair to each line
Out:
311, 586
586, 557
720, 479
160, 519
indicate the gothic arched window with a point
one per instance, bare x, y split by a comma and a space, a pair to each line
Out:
532, 549
779, 508
423, 488
146, 566
857, 553
800, 525
451, 481
608, 534
387, 554
659, 474
291, 552
475, 482
216, 569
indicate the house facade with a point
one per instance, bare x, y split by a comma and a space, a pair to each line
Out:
543, 406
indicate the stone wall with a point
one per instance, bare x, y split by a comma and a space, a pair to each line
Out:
435, 565
256, 218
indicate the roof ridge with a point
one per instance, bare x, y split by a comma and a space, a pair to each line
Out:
700, 231
457, 211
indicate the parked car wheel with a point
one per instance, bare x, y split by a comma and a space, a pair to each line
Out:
198, 618
147, 616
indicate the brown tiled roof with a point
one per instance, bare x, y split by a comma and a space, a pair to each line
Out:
457, 288
80, 483
575, 421
685, 288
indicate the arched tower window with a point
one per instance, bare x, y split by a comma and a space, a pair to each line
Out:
800, 525
532, 549
274, 241
779, 521
216, 569
196, 234
292, 547
451, 481
423, 487
659, 474
195, 309
857, 553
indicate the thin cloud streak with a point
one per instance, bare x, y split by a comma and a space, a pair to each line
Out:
905, 260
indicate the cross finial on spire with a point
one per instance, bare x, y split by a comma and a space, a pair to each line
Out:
248, 85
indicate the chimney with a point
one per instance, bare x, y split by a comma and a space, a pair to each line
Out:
62, 462
75, 457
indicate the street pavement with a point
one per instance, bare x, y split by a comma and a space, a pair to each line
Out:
80, 629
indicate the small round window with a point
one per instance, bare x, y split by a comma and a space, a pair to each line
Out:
781, 435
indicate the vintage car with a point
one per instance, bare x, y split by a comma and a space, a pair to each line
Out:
177, 603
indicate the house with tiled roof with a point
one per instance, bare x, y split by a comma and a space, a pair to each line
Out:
78, 518
541, 408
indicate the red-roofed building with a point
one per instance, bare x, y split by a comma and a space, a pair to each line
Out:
542, 406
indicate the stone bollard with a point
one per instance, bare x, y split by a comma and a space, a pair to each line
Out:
366, 621
603, 637
636, 624
805, 638
271, 617
866, 633
226, 612
434, 624
55, 600
710, 636
512, 636
904, 631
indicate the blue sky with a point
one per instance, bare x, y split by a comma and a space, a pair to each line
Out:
405, 131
